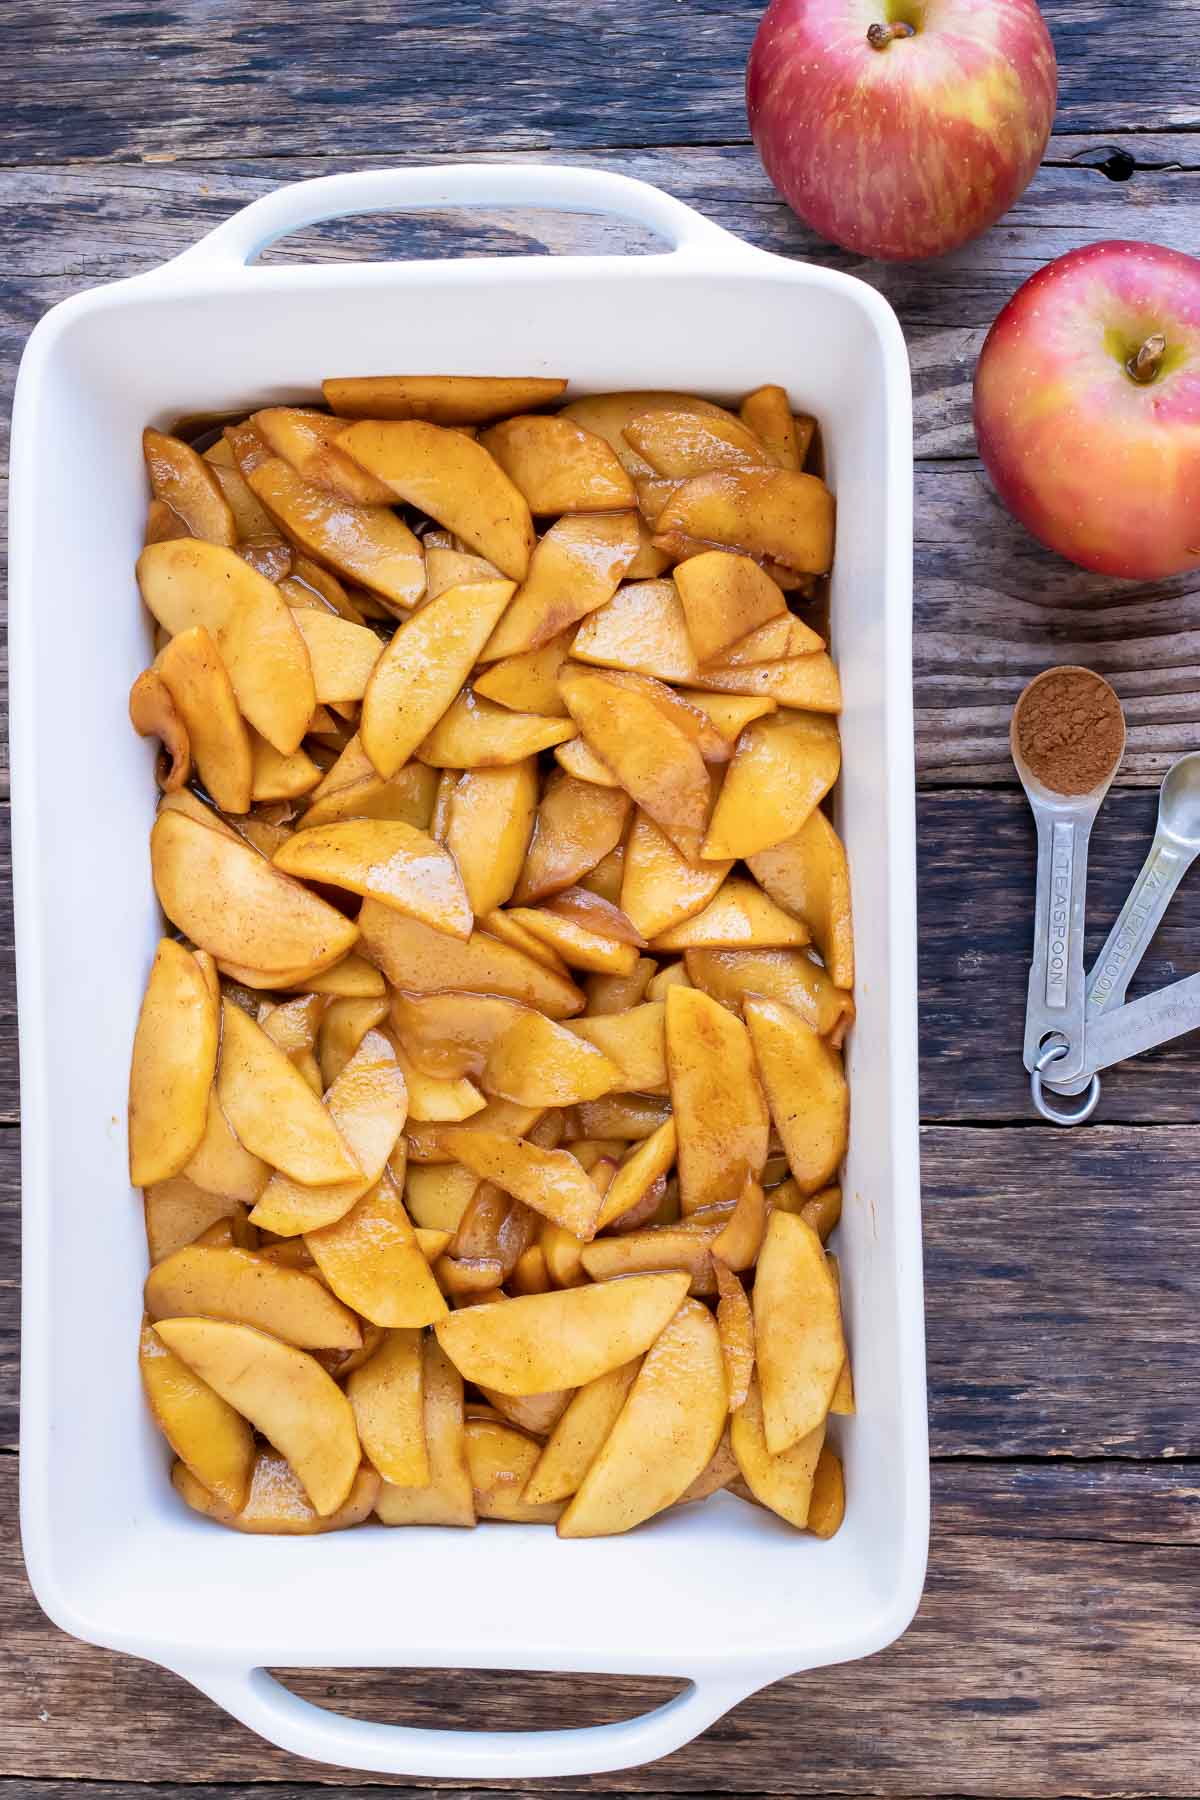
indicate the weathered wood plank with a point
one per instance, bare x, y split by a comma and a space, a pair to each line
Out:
279, 79
1083, 1656
975, 884
1061, 1309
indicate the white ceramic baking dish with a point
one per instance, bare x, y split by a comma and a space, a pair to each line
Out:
722, 1594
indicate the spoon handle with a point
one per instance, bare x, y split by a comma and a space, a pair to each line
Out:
1055, 1003
1139, 919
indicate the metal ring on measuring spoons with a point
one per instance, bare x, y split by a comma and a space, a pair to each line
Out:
1053, 1053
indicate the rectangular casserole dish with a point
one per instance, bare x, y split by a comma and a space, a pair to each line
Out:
724, 1595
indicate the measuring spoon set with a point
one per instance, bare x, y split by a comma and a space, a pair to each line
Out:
1075, 1023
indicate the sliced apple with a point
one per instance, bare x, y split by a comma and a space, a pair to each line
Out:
433, 1099
203, 1430
577, 825
629, 1117
445, 1497
719, 1108
277, 777
562, 1339
806, 1090
735, 1325
369, 544
783, 1483
177, 1210
550, 1181
186, 483
730, 713
609, 994
528, 682
635, 1041
386, 861
683, 444
443, 399
453, 479
800, 1344
474, 733
579, 1434
447, 568
187, 582
420, 960
239, 1286
666, 1432
366, 1105
278, 1505
792, 977
438, 1194
344, 1024
765, 512
192, 669
641, 629
558, 466
808, 875
782, 769
451, 1035
608, 414
720, 1470
171, 1072
657, 763
342, 655
424, 666
578, 946
536, 1062
740, 914
306, 440
809, 682
575, 758
221, 1164
272, 1108
660, 888
768, 414
153, 713
388, 1397
488, 828
501, 1460
738, 1242
576, 567
284, 1393
371, 1259
637, 1174
827, 1508
724, 597
639, 1252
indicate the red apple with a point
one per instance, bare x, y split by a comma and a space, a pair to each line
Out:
901, 128
1087, 408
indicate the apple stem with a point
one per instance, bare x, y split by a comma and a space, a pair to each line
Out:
1146, 362
880, 36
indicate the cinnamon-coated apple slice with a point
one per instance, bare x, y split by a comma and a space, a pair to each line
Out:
186, 483
563, 1339
559, 466
283, 1392
272, 1108
204, 1282
372, 1260
384, 860
445, 1497
454, 480
278, 1505
779, 513
422, 669
782, 769
203, 1430
186, 582
192, 669
388, 1397
720, 1111
174, 1056
665, 1435
575, 568
806, 1089
442, 399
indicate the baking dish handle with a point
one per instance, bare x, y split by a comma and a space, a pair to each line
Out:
243, 238
258, 1700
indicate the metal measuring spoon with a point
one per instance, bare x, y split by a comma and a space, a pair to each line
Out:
1054, 1011
1176, 846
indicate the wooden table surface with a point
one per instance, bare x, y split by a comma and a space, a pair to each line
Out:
1057, 1650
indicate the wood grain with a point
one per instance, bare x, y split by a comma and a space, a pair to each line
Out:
279, 79
1074, 1587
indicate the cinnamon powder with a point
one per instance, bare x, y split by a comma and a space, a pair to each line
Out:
1069, 729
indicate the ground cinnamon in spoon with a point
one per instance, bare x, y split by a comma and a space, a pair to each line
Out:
1069, 729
